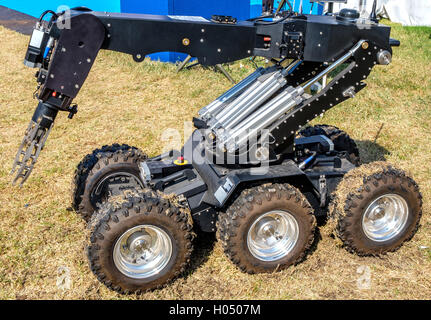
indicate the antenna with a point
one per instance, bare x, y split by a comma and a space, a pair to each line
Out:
373, 15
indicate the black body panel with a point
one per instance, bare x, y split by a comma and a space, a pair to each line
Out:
314, 39
328, 38
210, 42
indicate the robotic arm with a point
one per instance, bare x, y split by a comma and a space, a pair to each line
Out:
316, 44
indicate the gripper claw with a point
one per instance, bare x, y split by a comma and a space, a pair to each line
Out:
34, 139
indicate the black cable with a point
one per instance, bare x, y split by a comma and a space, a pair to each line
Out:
45, 13
274, 22
261, 17
273, 15
281, 4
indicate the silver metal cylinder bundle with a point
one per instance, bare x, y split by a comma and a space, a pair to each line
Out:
217, 105
248, 115
231, 122
249, 101
243, 98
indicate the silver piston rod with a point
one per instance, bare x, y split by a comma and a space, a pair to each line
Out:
249, 101
245, 96
252, 97
238, 136
215, 106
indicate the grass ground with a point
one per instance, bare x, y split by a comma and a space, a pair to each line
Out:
133, 103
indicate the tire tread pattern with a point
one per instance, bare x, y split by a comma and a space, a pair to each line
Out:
387, 175
229, 221
147, 204
89, 166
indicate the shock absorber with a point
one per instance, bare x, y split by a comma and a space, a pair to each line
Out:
34, 139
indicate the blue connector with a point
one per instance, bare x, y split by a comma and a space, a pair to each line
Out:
304, 163
48, 47
46, 52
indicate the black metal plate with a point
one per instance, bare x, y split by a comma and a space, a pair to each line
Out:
74, 55
210, 42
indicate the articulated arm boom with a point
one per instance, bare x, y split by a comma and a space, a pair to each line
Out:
65, 56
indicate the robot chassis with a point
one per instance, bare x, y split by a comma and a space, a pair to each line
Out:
244, 171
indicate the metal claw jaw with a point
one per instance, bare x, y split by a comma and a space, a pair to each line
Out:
35, 137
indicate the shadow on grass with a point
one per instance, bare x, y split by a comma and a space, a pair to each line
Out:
371, 151
203, 246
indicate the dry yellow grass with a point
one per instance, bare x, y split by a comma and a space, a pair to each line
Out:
133, 103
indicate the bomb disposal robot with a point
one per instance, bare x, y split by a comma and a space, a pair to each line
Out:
252, 170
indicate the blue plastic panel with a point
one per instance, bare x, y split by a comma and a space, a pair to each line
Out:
306, 6
161, 7
35, 8
239, 8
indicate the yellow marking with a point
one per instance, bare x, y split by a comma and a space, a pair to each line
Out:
178, 163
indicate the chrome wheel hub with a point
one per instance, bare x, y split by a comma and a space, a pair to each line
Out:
142, 251
385, 217
273, 236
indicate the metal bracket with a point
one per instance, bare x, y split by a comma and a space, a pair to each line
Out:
322, 190
72, 111
349, 92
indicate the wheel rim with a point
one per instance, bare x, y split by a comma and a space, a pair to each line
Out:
113, 184
142, 251
385, 217
273, 236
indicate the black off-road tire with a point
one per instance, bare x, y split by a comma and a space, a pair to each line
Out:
342, 141
357, 191
234, 224
116, 203
98, 165
142, 210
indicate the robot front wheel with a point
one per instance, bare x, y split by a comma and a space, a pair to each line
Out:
140, 246
105, 173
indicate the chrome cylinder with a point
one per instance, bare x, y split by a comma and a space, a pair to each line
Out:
334, 65
215, 106
247, 102
244, 97
257, 102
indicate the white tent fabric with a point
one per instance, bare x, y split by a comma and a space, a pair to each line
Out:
409, 12
363, 6
406, 12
